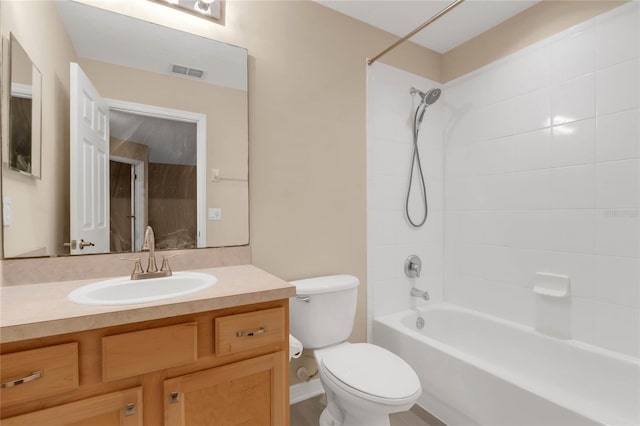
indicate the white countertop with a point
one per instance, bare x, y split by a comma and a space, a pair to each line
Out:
40, 310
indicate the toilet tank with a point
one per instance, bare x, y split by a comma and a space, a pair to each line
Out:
322, 312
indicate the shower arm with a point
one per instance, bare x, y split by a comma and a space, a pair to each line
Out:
414, 32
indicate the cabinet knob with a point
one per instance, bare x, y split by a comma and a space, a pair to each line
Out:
174, 397
130, 409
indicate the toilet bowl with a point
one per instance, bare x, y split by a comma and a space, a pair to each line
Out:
364, 383
367, 384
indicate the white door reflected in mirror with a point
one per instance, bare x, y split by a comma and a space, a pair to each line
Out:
89, 172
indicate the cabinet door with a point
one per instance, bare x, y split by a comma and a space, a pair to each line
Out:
250, 392
122, 408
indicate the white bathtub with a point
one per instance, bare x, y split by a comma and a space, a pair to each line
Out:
478, 369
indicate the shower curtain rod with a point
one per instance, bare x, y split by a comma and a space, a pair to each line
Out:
414, 32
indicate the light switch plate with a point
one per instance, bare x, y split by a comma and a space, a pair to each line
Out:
214, 213
6, 211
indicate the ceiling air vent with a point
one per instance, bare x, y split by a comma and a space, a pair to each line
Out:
195, 73
191, 72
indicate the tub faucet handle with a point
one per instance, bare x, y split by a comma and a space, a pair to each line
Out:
412, 266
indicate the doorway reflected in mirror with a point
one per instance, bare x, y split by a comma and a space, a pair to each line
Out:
157, 157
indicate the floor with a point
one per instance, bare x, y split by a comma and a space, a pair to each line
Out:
307, 413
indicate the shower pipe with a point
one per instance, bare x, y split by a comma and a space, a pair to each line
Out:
414, 32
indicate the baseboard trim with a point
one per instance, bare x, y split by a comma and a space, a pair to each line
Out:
305, 390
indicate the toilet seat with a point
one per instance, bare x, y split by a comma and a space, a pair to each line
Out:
372, 373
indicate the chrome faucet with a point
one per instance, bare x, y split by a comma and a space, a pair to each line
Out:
152, 268
419, 293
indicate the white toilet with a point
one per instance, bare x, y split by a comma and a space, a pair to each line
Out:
364, 383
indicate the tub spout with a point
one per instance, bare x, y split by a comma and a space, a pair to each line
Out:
419, 293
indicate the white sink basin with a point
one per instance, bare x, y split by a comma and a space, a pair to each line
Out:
125, 291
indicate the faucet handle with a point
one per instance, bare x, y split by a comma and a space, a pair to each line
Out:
165, 262
137, 268
412, 266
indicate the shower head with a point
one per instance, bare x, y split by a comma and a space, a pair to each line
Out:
428, 98
432, 96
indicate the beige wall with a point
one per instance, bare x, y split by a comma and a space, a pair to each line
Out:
226, 111
534, 24
21, 66
37, 211
308, 138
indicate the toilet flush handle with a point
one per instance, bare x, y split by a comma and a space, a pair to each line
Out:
305, 299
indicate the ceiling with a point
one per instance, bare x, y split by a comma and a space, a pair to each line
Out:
461, 24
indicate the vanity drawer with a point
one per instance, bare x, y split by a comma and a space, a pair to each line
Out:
241, 332
139, 352
36, 373
116, 408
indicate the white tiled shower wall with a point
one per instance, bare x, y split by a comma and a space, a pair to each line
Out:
390, 238
542, 175
541, 164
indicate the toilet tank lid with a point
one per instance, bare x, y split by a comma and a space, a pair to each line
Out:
327, 284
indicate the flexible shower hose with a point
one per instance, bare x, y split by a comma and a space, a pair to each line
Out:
415, 158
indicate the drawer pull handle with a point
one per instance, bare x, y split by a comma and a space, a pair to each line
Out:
261, 330
32, 377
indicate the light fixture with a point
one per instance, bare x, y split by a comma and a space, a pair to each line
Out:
203, 6
184, 70
209, 8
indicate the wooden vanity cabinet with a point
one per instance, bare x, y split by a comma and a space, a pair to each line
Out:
227, 367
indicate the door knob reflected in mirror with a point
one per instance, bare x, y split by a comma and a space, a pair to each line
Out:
84, 244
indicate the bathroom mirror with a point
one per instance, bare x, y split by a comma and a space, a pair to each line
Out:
24, 112
150, 72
